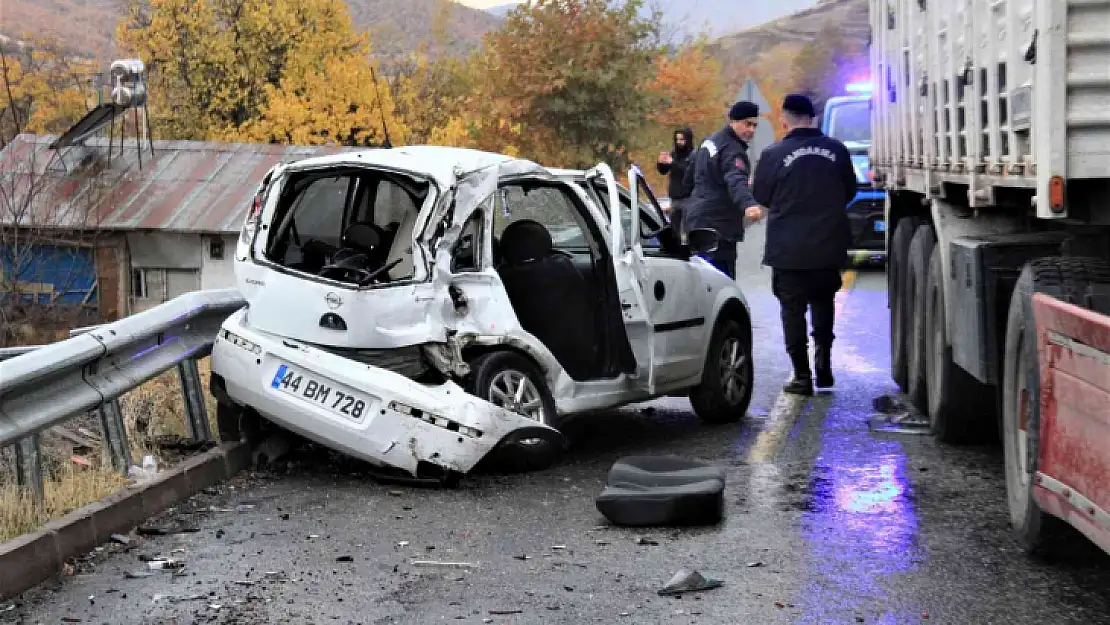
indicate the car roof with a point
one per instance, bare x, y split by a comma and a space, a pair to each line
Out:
576, 174
439, 162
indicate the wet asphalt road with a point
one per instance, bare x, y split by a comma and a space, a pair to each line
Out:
826, 523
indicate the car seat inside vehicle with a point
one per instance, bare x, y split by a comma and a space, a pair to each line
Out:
348, 224
551, 298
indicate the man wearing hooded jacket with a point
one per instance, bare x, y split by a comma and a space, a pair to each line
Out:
673, 164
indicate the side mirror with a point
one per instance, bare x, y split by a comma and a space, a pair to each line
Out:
703, 240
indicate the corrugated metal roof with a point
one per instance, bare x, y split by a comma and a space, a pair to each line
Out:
186, 186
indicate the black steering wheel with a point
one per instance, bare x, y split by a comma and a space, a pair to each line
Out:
348, 266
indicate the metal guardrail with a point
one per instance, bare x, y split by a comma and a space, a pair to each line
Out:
44, 386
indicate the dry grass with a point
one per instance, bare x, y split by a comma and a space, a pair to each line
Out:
70, 490
155, 409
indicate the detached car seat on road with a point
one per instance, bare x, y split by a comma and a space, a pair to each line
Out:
550, 296
663, 490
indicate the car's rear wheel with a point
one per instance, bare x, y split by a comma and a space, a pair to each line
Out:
725, 391
510, 381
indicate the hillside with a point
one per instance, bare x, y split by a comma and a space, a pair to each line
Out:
789, 34
713, 17
721, 17
88, 26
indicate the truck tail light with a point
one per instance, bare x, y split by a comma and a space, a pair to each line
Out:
1056, 193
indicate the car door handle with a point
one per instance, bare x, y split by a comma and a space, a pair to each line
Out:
625, 305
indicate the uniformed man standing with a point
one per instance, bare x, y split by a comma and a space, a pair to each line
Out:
719, 176
806, 181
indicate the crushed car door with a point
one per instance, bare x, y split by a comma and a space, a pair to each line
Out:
676, 297
630, 282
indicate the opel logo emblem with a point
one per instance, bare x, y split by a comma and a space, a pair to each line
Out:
333, 301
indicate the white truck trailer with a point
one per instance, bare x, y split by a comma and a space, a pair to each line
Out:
991, 137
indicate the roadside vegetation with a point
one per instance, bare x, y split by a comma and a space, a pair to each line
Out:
563, 82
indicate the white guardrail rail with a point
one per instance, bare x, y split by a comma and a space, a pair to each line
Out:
44, 386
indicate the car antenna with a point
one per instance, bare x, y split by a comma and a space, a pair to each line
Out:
381, 109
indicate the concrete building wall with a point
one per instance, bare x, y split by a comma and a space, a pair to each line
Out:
218, 268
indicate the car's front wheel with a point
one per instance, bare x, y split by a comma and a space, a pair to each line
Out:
726, 385
512, 382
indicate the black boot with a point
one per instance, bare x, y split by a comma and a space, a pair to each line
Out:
802, 384
822, 366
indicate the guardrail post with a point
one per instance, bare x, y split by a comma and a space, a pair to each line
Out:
115, 435
28, 463
193, 391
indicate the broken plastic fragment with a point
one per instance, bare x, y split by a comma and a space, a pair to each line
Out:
686, 581
452, 565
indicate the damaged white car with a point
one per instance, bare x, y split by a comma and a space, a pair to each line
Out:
422, 307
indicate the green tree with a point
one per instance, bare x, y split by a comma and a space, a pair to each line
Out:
564, 80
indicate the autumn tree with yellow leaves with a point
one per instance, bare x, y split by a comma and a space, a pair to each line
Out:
44, 90
259, 70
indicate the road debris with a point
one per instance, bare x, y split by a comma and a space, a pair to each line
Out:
505, 612
165, 564
686, 581
449, 565
752, 565
345, 559
896, 416
643, 540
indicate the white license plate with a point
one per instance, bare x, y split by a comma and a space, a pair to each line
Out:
880, 226
308, 388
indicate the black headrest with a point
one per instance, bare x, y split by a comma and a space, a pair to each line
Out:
525, 240
364, 236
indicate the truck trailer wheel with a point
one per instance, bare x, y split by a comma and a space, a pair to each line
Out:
917, 278
961, 409
895, 279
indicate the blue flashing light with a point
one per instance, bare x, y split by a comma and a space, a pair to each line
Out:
858, 87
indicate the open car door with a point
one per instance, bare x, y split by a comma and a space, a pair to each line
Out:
674, 289
629, 270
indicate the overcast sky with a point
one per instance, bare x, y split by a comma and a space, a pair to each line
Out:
483, 4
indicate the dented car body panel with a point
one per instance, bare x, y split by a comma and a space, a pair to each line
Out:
364, 411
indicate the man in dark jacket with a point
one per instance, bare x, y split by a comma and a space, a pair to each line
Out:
719, 176
673, 164
806, 181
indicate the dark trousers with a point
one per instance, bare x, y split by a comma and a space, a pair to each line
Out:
798, 290
725, 263
678, 216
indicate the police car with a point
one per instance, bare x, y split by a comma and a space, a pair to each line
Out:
848, 118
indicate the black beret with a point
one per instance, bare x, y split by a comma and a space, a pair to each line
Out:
743, 110
799, 105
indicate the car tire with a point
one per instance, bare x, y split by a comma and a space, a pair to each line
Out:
917, 276
896, 277
725, 391
236, 423
494, 373
961, 409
